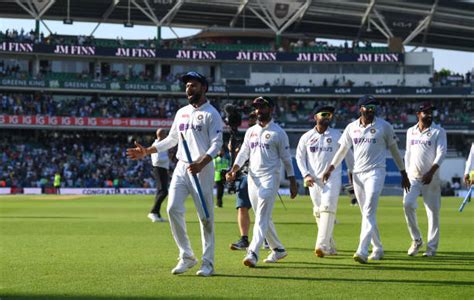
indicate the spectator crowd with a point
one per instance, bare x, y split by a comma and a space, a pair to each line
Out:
397, 112
84, 159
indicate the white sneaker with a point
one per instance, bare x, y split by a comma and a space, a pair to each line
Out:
153, 217
250, 260
184, 264
319, 252
275, 256
415, 247
360, 258
429, 253
206, 270
378, 255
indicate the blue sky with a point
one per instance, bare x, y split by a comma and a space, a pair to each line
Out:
457, 61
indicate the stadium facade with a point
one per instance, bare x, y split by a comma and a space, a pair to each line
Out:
114, 90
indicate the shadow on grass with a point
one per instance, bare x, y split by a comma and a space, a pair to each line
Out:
376, 266
358, 280
43, 217
441, 258
89, 297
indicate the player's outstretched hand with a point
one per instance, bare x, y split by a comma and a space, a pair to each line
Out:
406, 185
138, 152
293, 188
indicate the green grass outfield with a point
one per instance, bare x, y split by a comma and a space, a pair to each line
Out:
89, 247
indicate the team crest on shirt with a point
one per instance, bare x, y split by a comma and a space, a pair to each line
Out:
372, 130
267, 136
428, 134
329, 140
200, 117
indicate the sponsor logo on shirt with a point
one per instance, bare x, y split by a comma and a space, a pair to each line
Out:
185, 126
421, 142
253, 134
185, 116
259, 145
313, 140
314, 149
364, 141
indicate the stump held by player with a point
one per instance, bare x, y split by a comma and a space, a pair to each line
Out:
196, 181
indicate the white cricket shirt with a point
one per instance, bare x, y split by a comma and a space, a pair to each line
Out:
265, 148
370, 143
202, 129
160, 159
315, 152
424, 149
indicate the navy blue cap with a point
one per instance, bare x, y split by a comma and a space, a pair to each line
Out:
263, 101
325, 108
367, 100
196, 76
426, 106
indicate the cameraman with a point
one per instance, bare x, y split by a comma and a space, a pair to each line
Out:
242, 202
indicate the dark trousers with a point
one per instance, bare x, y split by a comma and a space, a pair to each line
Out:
161, 177
220, 191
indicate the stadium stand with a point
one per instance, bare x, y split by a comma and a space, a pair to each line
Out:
31, 158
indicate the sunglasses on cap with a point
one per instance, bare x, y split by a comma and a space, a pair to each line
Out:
370, 106
324, 114
261, 101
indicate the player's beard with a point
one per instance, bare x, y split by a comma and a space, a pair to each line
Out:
195, 98
324, 122
427, 121
264, 117
369, 115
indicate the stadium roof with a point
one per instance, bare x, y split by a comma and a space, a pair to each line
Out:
445, 24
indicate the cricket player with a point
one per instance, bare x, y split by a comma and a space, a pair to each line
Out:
316, 149
202, 127
161, 163
370, 137
469, 170
265, 145
425, 151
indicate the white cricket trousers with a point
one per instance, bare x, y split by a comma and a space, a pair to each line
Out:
432, 200
367, 188
325, 198
181, 186
262, 193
